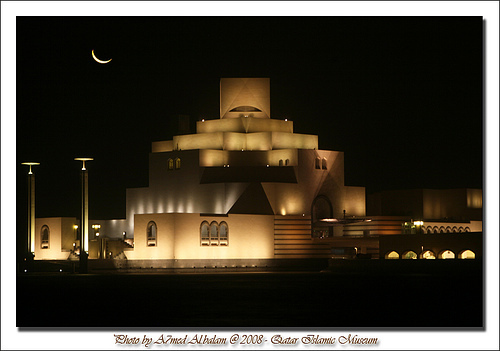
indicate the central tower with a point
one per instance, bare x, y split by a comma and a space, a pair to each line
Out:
245, 97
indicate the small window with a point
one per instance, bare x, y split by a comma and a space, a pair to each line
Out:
205, 233
318, 163
45, 236
287, 162
177, 163
214, 234
170, 164
223, 233
151, 234
323, 163
281, 163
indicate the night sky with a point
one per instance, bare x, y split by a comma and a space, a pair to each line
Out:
401, 96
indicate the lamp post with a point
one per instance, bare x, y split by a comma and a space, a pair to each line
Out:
84, 221
30, 252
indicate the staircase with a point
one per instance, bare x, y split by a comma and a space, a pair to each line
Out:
292, 239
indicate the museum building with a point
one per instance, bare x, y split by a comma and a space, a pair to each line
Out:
244, 190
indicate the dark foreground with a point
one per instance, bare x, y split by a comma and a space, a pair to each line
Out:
286, 299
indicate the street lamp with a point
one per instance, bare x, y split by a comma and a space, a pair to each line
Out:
31, 210
84, 222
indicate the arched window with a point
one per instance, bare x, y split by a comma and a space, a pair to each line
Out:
323, 163
454, 230
214, 233
45, 237
393, 255
317, 164
287, 162
428, 255
467, 254
223, 233
151, 234
177, 163
441, 230
446, 254
467, 229
461, 229
280, 163
205, 233
448, 229
435, 230
409, 255
170, 164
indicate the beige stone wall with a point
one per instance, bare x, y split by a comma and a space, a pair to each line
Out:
162, 146
165, 237
56, 229
235, 92
250, 236
355, 201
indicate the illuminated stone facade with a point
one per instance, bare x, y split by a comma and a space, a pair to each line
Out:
245, 187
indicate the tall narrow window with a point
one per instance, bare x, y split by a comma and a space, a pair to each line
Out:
177, 163
317, 164
323, 163
281, 163
214, 234
45, 236
205, 233
170, 164
223, 233
151, 234
287, 162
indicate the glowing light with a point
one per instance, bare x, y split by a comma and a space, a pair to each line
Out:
97, 60
418, 223
30, 164
83, 159
286, 119
75, 227
203, 120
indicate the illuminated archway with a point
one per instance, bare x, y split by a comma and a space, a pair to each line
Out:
393, 255
446, 254
428, 255
151, 233
467, 254
45, 237
321, 208
409, 255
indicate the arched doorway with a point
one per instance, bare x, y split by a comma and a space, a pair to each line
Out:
321, 209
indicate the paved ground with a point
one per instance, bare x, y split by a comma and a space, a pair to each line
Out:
250, 300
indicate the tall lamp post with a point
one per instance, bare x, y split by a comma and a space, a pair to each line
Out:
30, 252
84, 221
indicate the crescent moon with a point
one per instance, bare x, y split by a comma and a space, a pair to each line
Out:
97, 60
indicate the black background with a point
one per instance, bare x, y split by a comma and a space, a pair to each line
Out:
401, 96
